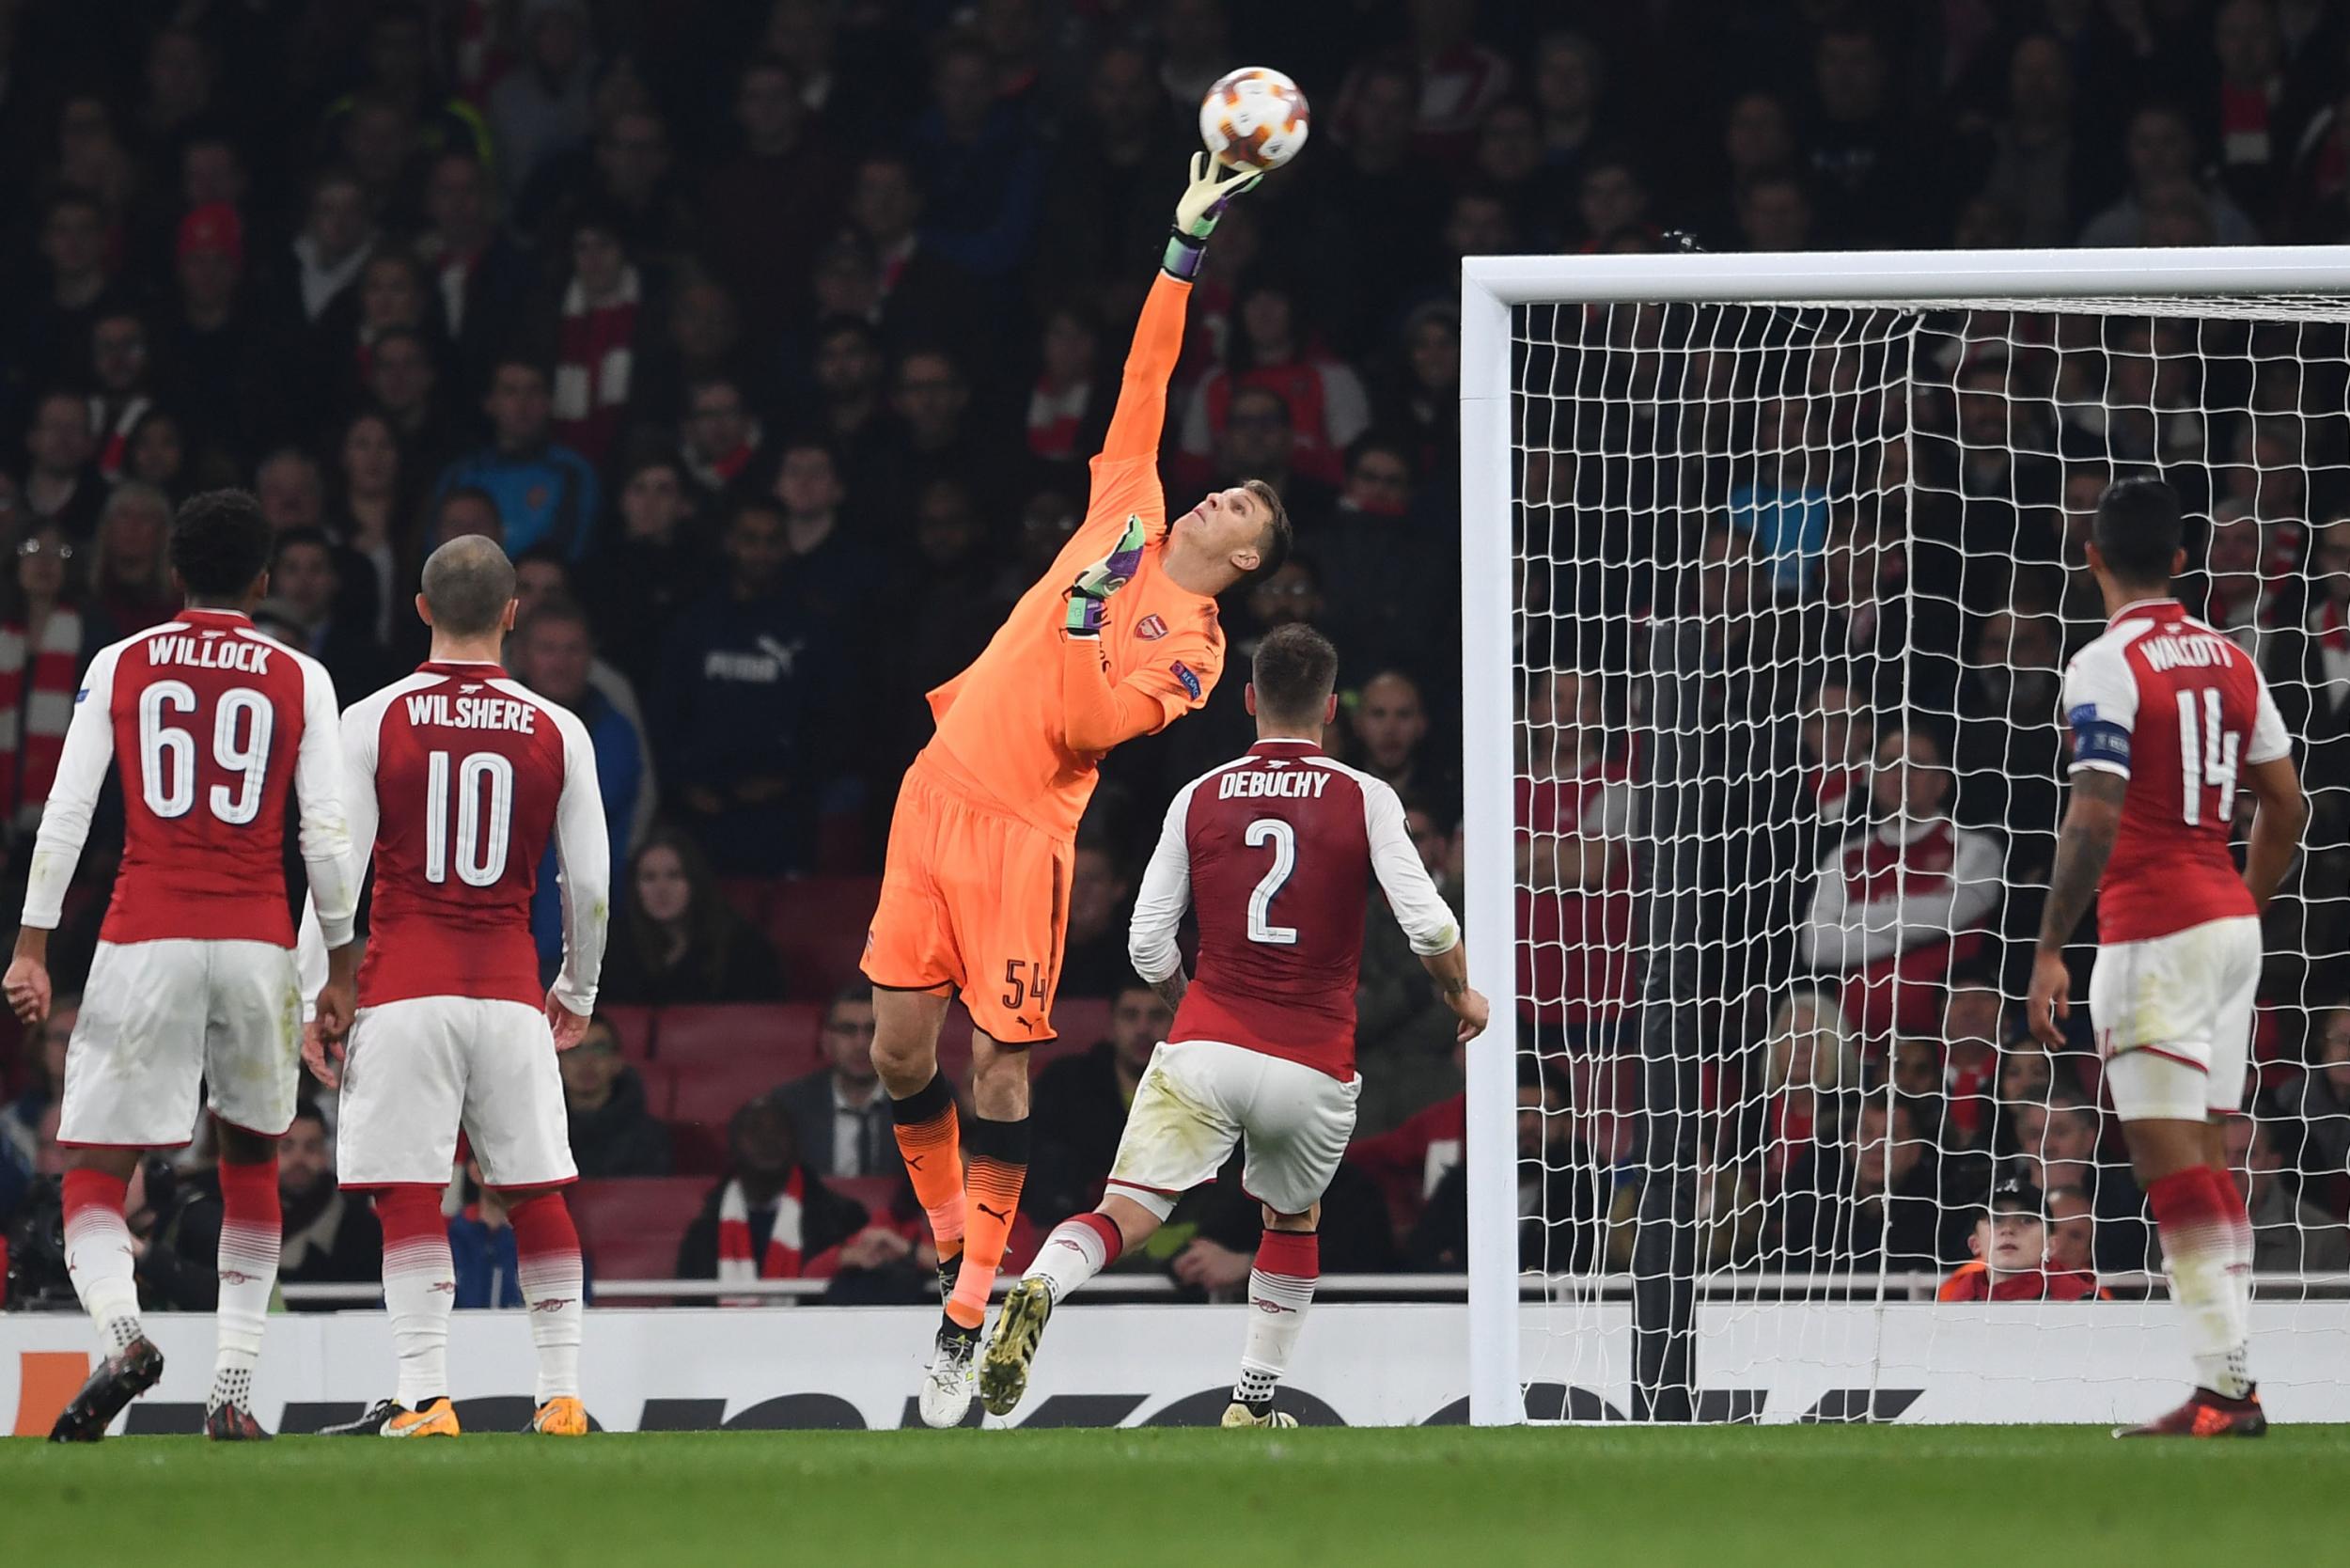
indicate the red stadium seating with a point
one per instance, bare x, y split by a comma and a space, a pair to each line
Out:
717, 1058
633, 1025
1081, 1020
875, 1192
630, 1227
784, 1039
751, 895
818, 926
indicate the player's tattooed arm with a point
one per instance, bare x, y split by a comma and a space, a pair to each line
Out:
1171, 989
2083, 847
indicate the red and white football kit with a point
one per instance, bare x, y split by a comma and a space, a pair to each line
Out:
2178, 710
1275, 852
457, 776
194, 980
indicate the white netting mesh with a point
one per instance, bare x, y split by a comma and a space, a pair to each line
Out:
1767, 552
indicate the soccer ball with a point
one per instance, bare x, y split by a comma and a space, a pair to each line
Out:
1253, 118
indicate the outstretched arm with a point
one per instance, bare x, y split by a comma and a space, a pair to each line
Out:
1141, 413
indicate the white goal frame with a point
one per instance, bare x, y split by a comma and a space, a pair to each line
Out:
1491, 288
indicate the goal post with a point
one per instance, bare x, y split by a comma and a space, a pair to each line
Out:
1640, 430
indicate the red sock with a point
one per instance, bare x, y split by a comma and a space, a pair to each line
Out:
546, 1245
97, 1254
87, 1192
419, 1288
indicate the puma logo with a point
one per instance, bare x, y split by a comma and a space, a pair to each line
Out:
914, 1162
993, 1214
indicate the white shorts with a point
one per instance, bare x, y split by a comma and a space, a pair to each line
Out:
2185, 1000
418, 1069
1199, 1097
160, 1018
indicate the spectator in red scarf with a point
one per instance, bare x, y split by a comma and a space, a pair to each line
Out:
771, 1214
1272, 348
1064, 405
41, 653
2010, 1247
719, 439
476, 270
2254, 140
130, 571
596, 339
121, 386
1895, 908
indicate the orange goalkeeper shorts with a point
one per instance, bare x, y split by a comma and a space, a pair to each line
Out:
974, 897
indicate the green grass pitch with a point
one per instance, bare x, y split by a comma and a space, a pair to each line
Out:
1432, 1498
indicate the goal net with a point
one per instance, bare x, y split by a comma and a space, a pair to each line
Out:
1769, 597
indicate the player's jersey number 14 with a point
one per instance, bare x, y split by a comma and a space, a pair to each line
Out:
2208, 751
241, 723
483, 817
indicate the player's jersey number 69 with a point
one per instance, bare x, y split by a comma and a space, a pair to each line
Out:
241, 736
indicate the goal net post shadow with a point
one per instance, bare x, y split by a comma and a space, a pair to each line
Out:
1634, 430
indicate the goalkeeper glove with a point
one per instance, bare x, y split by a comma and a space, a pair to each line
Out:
1089, 595
1202, 203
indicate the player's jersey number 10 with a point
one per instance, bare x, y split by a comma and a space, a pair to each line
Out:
241, 723
484, 817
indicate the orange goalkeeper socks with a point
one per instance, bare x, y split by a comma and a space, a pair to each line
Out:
999, 1163
930, 1140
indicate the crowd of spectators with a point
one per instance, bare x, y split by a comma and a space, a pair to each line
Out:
772, 342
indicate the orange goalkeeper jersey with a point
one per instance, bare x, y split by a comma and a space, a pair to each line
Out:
1002, 723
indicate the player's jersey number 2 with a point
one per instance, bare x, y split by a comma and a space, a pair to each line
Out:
2208, 750
1283, 838
481, 822
242, 723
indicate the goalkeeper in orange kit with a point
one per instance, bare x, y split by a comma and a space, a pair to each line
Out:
1118, 639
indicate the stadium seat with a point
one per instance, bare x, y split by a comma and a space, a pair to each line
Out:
875, 1192
1083, 1022
818, 926
630, 1227
751, 895
784, 1039
717, 1058
633, 1025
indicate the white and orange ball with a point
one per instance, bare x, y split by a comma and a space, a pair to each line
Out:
1254, 118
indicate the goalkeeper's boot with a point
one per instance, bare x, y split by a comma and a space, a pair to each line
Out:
1019, 1328
945, 1396
560, 1417
119, 1379
233, 1423
2206, 1414
1241, 1413
435, 1417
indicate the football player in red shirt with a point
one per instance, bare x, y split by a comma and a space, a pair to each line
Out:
459, 776
211, 724
2170, 720
1275, 852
